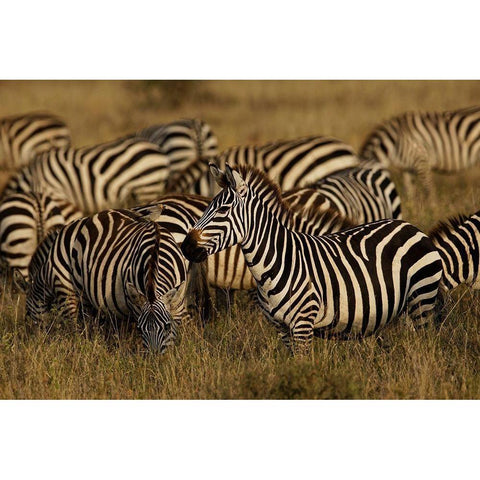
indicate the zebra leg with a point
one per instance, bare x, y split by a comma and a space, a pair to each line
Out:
224, 298
302, 336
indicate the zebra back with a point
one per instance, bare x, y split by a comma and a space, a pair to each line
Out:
24, 136
290, 163
114, 174
363, 194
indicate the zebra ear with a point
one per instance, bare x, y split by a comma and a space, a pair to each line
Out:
218, 175
174, 296
19, 280
235, 180
137, 297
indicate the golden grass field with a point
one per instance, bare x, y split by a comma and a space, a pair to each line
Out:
238, 355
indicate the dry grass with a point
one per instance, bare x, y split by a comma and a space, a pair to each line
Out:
239, 356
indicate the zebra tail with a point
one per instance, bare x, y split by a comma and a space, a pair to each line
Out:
198, 293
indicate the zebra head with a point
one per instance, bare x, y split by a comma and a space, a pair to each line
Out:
158, 320
223, 223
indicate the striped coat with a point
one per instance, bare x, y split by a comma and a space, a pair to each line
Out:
114, 263
24, 136
111, 175
349, 283
290, 163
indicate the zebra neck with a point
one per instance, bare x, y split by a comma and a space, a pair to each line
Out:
268, 233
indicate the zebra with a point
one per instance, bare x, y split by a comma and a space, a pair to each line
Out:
25, 220
458, 242
116, 263
290, 163
227, 269
422, 142
346, 284
184, 142
110, 175
24, 136
364, 194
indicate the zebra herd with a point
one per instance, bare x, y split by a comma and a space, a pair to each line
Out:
129, 229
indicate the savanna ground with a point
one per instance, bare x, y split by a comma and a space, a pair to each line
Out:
238, 355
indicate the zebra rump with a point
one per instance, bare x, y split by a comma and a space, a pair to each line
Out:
184, 142
25, 220
24, 136
115, 263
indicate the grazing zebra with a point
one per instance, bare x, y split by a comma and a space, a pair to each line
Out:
227, 269
114, 263
419, 142
458, 242
290, 163
24, 136
184, 142
363, 194
344, 284
109, 175
25, 220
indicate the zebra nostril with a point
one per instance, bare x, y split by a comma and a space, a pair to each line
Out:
190, 248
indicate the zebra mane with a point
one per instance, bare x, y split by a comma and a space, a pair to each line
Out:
153, 262
446, 226
268, 189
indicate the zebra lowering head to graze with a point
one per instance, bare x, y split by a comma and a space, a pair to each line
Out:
184, 142
115, 263
290, 163
25, 220
24, 136
364, 194
345, 284
110, 175
458, 242
422, 142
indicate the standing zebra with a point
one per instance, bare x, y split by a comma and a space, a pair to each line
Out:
364, 194
24, 136
458, 242
25, 220
419, 142
290, 163
184, 142
109, 175
349, 283
114, 263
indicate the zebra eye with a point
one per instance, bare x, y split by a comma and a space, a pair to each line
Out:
223, 209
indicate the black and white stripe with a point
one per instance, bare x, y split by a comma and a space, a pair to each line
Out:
110, 175
290, 163
25, 220
24, 136
114, 263
227, 269
458, 242
349, 283
419, 142
184, 142
363, 194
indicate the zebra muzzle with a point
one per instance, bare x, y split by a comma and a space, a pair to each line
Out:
190, 248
